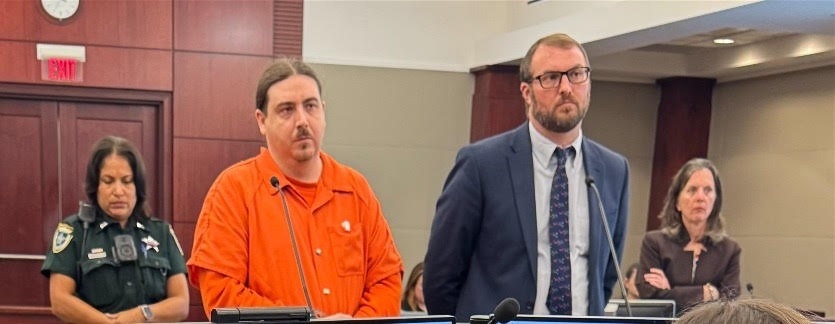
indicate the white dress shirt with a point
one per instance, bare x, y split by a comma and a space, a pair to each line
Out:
544, 166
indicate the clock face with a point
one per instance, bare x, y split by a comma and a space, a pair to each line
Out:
60, 9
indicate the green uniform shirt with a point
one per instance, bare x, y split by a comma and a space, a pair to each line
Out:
105, 281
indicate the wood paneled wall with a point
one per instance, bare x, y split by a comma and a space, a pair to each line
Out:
497, 103
681, 133
120, 24
207, 54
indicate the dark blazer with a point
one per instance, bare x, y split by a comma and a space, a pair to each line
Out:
482, 246
719, 266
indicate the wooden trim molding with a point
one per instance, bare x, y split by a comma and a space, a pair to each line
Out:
25, 310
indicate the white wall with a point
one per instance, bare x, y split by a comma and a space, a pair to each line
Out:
428, 35
622, 117
401, 129
457, 35
773, 140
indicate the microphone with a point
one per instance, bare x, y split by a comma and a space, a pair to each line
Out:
750, 288
261, 314
590, 183
274, 183
87, 214
505, 311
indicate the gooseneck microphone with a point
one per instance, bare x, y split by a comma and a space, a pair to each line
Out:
87, 215
274, 182
505, 311
590, 183
750, 288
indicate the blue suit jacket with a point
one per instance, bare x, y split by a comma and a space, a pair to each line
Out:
482, 246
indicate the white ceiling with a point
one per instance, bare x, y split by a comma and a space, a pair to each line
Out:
781, 36
627, 40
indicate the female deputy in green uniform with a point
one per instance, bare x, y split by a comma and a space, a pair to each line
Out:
112, 262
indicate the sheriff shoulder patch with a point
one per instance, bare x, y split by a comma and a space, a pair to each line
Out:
62, 238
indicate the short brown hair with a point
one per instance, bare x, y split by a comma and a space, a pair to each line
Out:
280, 70
555, 40
671, 223
743, 311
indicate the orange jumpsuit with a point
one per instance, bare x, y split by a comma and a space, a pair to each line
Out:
242, 254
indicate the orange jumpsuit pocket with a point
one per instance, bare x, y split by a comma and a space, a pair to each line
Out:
348, 251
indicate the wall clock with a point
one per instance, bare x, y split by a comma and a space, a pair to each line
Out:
60, 9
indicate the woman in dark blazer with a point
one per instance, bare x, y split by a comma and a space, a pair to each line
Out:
690, 259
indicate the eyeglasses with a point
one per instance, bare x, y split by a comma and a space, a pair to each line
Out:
552, 79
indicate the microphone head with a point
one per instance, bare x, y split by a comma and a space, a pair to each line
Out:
274, 182
86, 212
589, 181
506, 311
750, 288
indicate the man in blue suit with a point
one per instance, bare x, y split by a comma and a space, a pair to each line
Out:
493, 230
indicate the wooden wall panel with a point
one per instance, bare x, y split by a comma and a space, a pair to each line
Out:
128, 68
28, 315
197, 163
136, 24
29, 174
681, 133
497, 103
29, 200
36, 290
106, 67
85, 123
12, 24
216, 95
20, 64
224, 26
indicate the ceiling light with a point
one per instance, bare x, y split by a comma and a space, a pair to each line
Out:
723, 41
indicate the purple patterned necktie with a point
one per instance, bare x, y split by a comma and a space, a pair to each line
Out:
559, 293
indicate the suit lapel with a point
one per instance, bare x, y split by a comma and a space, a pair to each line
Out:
520, 165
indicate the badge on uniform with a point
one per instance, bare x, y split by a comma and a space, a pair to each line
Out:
150, 243
62, 238
96, 253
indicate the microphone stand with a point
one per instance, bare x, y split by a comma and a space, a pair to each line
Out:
590, 183
274, 182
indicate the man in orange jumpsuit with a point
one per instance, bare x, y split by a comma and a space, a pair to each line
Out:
243, 252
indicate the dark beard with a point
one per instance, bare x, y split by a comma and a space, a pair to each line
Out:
549, 120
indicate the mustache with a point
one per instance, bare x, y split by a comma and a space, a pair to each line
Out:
567, 98
303, 133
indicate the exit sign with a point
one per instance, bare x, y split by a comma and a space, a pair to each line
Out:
61, 63
62, 69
